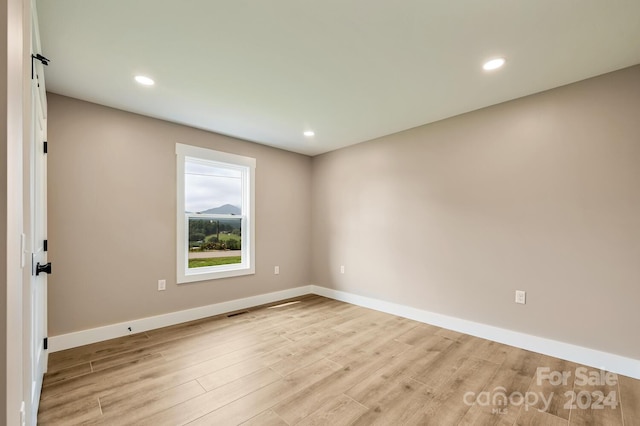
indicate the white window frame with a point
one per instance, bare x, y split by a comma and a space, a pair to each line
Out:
246, 165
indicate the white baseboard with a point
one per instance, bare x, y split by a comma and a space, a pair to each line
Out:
93, 335
578, 354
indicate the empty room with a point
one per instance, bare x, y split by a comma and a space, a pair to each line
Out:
306, 213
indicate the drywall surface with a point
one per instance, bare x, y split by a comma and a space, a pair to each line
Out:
540, 194
112, 217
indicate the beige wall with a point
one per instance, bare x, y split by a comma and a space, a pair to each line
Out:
539, 194
112, 196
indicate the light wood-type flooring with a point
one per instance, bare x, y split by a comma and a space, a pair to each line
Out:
315, 361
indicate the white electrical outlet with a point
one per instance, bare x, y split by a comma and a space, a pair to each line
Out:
162, 285
342, 269
521, 297
276, 270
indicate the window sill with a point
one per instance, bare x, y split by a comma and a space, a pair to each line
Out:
215, 275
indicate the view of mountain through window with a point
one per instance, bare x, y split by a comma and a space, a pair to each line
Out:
211, 189
213, 194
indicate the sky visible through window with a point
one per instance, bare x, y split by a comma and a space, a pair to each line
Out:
208, 186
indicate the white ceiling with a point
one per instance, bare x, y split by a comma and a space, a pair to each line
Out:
351, 71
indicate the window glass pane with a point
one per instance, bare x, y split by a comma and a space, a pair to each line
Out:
212, 189
214, 242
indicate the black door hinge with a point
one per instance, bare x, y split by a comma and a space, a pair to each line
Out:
46, 148
46, 343
46, 245
40, 58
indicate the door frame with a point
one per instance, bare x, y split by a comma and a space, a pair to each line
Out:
34, 95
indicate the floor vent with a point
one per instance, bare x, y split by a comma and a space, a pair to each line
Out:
235, 314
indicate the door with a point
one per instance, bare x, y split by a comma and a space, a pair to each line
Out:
38, 214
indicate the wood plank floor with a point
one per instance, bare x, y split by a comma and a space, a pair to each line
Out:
315, 361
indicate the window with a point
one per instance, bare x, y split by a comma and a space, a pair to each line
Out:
215, 214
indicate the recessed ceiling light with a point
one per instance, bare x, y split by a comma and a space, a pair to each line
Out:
145, 81
493, 64
309, 133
